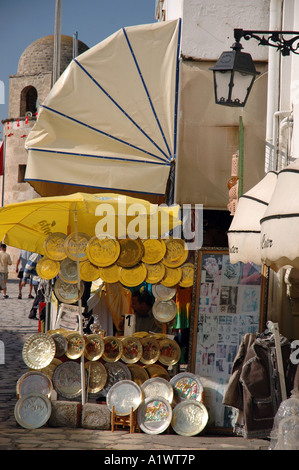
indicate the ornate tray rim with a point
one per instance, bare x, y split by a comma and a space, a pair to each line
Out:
182, 404
119, 384
54, 379
30, 373
46, 337
161, 380
20, 403
103, 383
142, 408
156, 305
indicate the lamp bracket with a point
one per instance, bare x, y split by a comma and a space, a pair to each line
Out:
272, 38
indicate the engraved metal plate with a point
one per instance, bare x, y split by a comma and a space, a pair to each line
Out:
102, 252
94, 347
164, 310
154, 415
158, 386
96, 376
132, 349
66, 292
67, 379
34, 382
176, 252
75, 345
75, 245
155, 273
68, 271
131, 252
150, 350
161, 292
38, 351
54, 246
172, 277
132, 277
138, 373
187, 275
88, 271
124, 396
186, 386
110, 274
155, 370
32, 411
170, 352
47, 268
116, 371
49, 370
113, 349
154, 251
60, 343
189, 418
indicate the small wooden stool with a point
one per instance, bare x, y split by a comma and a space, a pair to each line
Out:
124, 421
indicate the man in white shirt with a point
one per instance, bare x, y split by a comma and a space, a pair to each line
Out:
5, 261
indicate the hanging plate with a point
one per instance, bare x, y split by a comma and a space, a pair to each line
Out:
170, 352
155, 273
96, 376
75, 345
34, 382
32, 411
54, 246
38, 351
154, 251
113, 349
161, 292
102, 252
172, 277
60, 343
132, 349
111, 274
187, 275
66, 292
75, 244
88, 271
124, 396
49, 370
154, 415
189, 418
47, 268
132, 277
131, 252
164, 311
176, 252
186, 386
158, 386
68, 271
116, 371
155, 370
94, 347
67, 379
138, 373
150, 350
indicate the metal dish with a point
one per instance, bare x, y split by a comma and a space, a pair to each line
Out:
154, 415
94, 347
38, 351
186, 386
97, 376
161, 292
132, 349
102, 252
32, 411
158, 386
47, 268
131, 252
113, 349
110, 274
117, 371
155, 370
172, 277
66, 292
75, 245
189, 418
176, 252
150, 350
124, 396
75, 345
54, 246
170, 352
67, 379
68, 271
88, 271
138, 373
155, 273
34, 382
60, 343
187, 275
164, 311
154, 251
132, 277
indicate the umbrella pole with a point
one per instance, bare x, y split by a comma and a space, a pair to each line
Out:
82, 366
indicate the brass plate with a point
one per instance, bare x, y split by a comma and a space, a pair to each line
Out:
67, 379
161, 292
186, 386
157, 387
154, 251
54, 246
131, 277
75, 245
94, 347
131, 252
150, 350
154, 415
49, 370
88, 271
189, 418
172, 277
75, 345
170, 352
139, 374
111, 274
187, 275
113, 349
32, 411
38, 351
68, 271
60, 343
117, 371
102, 252
164, 311
96, 376
124, 396
155, 273
66, 292
132, 349
155, 370
47, 268
176, 252
34, 382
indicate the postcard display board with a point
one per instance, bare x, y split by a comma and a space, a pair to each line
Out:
228, 305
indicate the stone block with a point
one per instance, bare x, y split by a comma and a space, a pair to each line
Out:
96, 416
65, 414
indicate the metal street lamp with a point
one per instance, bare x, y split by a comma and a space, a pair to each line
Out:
234, 72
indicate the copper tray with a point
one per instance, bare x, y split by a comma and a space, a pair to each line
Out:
32, 411
154, 415
34, 382
113, 349
132, 349
186, 386
38, 351
189, 418
94, 347
124, 396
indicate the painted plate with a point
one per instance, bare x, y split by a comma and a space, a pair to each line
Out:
94, 347
164, 311
33, 411
96, 376
189, 418
186, 386
132, 349
170, 352
68, 271
154, 415
47, 268
38, 351
67, 379
176, 252
54, 246
75, 345
161, 292
150, 350
117, 371
124, 396
75, 245
154, 250
102, 252
131, 252
113, 349
34, 382
157, 386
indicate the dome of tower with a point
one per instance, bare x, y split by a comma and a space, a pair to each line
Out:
38, 56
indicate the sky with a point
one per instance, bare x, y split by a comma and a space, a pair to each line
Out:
24, 21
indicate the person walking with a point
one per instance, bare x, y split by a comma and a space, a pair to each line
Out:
5, 261
30, 273
20, 266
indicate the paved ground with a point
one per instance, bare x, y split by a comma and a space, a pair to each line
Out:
15, 328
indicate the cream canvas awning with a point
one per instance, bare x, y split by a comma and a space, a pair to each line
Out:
109, 122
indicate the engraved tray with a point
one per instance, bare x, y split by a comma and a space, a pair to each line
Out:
34, 382
97, 376
66, 292
157, 386
54, 246
189, 418
75, 245
123, 396
186, 386
68, 271
75, 345
67, 379
138, 373
116, 371
154, 415
47, 268
155, 370
32, 411
38, 351
60, 343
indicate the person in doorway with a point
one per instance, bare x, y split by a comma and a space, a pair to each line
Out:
142, 303
5, 261
20, 266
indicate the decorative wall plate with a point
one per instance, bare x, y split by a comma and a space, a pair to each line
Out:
186, 386
32, 411
66, 292
155, 273
154, 250
75, 345
68, 271
113, 349
88, 271
67, 379
154, 415
54, 246
49, 370
34, 382
96, 376
161, 292
103, 252
138, 373
47, 268
150, 350
155, 370
38, 351
172, 277
94, 347
187, 275
124, 396
75, 245
116, 371
158, 386
176, 252
132, 349
132, 277
164, 311
111, 274
131, 252
189, 418
170, 352
60, 343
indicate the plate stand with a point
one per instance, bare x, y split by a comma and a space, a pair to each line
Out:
127, 421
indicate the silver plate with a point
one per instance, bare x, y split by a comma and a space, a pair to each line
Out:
68, 271
32, 411
34, 382
67, 379
116, 371
164, 310
60, 343
186, 386
124, 396
154, 415
161, 292
157, 386
189, 418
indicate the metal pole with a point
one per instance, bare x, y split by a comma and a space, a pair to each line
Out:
75, 44
57, 36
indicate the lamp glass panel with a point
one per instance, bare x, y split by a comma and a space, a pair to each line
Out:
222, 81
242, 82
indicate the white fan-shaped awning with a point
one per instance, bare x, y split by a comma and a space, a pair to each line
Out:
280, 223
244, 234
109, 121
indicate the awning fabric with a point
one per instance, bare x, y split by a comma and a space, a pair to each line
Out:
109, 121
